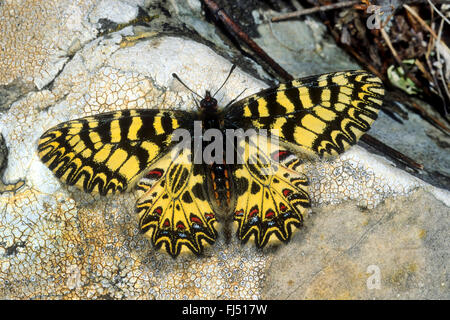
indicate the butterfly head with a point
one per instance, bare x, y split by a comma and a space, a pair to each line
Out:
208, 103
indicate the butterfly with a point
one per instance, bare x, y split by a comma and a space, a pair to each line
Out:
264, 195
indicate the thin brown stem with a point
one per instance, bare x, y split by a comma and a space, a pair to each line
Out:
235, 29
425, 25
304, 12
385, 149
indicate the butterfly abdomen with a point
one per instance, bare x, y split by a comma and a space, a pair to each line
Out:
220, 176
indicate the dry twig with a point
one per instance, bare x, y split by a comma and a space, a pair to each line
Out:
424, 24
438, 51
303, 12
234, 28
438, 12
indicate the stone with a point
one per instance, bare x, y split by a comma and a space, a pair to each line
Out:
375, 231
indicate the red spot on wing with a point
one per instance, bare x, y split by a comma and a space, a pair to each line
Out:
253, 212
287, 192
155, 174
196, 220
180, 226
270, 214
239, 213
166, 223
158, 211
279, 155
283, 208
209, 216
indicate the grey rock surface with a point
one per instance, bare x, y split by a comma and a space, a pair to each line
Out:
375, 231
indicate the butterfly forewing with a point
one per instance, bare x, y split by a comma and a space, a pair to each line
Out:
109, 152
323, 115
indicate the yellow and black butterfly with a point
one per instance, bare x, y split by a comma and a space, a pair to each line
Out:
181, 201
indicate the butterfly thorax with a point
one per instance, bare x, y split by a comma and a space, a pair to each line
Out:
209, 113
208, 103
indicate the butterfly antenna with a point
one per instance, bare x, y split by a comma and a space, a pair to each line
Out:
229, 74
178, 78
235, 98
196, 101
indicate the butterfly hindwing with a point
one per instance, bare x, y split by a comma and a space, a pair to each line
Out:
107, 153
173, 207
323, 115
271, 194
